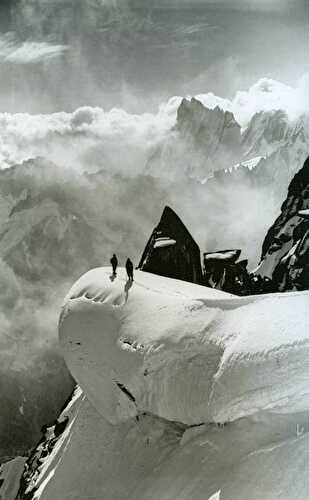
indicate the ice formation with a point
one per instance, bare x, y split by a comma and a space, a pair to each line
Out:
186, 393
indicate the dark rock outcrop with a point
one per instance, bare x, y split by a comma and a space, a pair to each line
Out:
223, 271
40, 454
285, 251
171, 251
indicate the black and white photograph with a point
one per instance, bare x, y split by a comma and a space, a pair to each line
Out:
154, 249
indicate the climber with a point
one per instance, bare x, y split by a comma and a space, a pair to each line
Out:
114, 263
129, 268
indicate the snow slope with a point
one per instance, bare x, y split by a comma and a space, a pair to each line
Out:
161, 363
153, 459
184, 352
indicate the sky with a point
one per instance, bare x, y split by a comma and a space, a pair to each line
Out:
136, 54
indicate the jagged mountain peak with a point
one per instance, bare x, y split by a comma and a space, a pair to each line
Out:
195, 113
202, 141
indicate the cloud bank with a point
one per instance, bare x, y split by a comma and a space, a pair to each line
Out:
111, 136
265, 95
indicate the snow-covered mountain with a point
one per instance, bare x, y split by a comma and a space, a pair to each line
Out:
146, 423
205, 140
282, 142
265, 132
202, 141
186, 138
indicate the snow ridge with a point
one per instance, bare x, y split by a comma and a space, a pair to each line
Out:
201, 404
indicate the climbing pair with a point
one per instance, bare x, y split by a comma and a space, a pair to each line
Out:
129, 266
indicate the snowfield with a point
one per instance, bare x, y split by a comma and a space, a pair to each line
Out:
162, 364
183, 352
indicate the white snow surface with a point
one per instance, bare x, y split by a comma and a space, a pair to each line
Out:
304, 213
230, 255
183, 352
164, 242
250, 164
161, 363
147, 336
153, 459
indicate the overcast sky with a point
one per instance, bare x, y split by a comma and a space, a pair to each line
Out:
236, 4
74, 52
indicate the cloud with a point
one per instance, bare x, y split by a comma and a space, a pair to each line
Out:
28, 52
265, 95
66, 136
123, 140
34, 52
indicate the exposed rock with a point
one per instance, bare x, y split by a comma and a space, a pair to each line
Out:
171, 251
286, 247
52, 436
215, 130
223, 271
202, 141
265, 132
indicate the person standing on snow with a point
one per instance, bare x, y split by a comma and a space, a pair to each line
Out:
129, 268
114, 263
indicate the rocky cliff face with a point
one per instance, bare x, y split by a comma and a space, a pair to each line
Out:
54, 436
171, 251
214, 131
265, 132
202, 141
286, 247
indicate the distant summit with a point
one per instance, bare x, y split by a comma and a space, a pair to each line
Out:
202, 141
214, 130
